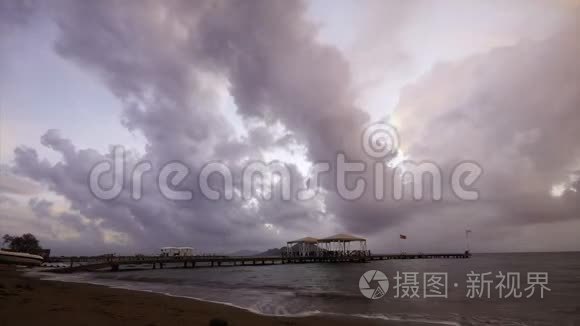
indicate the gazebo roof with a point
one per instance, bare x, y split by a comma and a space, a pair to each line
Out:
342, 237
305, 240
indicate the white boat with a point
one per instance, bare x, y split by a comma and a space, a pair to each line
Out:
20, 258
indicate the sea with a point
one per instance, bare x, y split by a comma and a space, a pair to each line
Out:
486, 289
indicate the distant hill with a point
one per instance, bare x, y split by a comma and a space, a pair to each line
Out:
244, 253
269, 252
272, 252
279, 251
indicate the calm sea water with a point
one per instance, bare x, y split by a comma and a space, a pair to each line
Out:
299, 289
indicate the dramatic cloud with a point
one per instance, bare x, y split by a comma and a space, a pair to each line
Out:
169, 81
514, 111
14, 184
235, 81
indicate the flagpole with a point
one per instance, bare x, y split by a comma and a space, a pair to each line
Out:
399, 242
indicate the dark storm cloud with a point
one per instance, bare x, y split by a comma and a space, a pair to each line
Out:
7, 200
515, 111
14, 12
158, 58
40, 207
166, 62
14, 184
279, 72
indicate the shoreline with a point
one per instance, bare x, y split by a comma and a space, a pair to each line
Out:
28, 300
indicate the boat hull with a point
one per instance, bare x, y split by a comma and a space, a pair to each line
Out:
17, 258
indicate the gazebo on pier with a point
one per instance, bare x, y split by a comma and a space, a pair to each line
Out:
338, 245
341, 245
303, 247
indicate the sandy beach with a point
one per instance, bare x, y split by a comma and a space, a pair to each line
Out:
29, 301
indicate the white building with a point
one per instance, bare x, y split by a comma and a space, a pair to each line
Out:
176, 251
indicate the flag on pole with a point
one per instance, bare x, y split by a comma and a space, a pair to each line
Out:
467, 232
402, 236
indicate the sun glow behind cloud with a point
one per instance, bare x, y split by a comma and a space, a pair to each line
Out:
558, 190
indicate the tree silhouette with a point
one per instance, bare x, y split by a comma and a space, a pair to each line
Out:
25, 243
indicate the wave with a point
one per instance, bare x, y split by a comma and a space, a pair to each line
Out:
409, 320
274, 310
259, 310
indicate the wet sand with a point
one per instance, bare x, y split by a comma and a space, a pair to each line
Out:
28, 301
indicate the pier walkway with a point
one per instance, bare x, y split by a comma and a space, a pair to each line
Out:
80, 264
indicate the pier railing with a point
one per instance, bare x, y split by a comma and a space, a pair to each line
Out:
76, 264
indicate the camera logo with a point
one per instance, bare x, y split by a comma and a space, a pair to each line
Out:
378, 279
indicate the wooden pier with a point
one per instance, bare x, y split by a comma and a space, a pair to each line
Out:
81, 264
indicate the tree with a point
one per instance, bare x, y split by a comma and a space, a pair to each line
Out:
25, 243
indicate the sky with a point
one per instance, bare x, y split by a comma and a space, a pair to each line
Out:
491, 82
